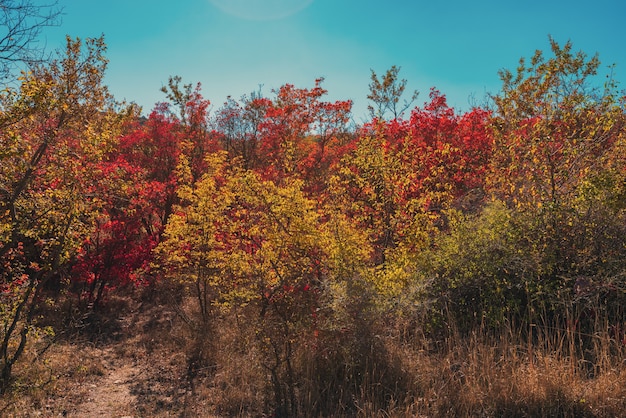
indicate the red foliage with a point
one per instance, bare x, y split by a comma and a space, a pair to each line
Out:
301, 135
138, 190
451, 151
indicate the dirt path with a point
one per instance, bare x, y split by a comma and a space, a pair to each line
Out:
125, 363
110, 395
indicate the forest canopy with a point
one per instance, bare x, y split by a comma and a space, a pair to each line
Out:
320, 233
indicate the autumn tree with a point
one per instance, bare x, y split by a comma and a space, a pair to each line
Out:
263, 250
139, 191
556, 127
301, 133
385, 94
193, 120
56, 128
238, 240
552, 122
401, 170
238, 125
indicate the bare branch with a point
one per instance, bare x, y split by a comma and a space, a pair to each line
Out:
21, 24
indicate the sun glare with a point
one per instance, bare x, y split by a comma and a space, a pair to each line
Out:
261, 9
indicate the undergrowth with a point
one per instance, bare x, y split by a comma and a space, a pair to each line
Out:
385, 368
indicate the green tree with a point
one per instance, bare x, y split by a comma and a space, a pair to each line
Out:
385, 94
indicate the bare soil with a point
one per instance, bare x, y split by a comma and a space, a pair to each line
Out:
112, 394
124, 362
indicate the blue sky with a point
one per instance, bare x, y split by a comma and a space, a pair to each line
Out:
233, 46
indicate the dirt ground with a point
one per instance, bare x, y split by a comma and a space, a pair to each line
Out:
126, 363
112, 394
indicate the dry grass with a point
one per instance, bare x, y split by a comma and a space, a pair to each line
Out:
483, 375
54, 383
365, 373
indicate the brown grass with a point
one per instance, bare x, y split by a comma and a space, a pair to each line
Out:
374, 371
486, 375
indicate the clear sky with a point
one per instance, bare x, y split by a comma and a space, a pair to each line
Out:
233, 46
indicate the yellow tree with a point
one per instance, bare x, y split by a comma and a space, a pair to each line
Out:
553, 122
238, 240
246, 244
55, 127
557, 128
